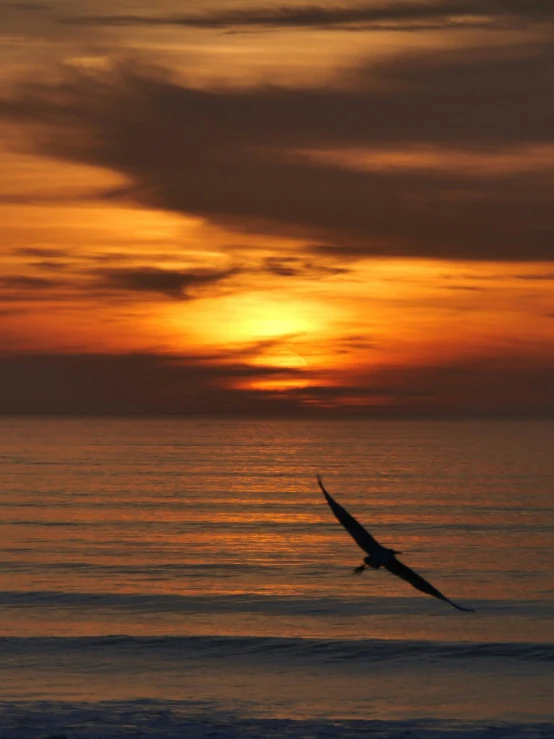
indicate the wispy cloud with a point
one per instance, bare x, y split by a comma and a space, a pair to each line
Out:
438, 14
12, 311
82, 279
300, 267
33, 251
24, 6
176, 284
25, 282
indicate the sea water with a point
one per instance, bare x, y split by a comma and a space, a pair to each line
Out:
186, 578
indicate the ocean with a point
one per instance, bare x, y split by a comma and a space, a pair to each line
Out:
186, 578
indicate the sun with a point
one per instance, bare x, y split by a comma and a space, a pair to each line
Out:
285, 339
262, 318
247, 318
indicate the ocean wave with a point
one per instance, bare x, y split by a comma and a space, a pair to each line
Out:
289, 649
277, 605
153, 719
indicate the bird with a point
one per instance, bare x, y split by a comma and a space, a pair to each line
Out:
380, 556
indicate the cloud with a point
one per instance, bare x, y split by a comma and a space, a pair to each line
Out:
228, 155
172, 283
37, 383
23, 6
143, 383
474, 386
32, 251
21, 20
477, 386
81, 277
21, 288
544, 276
49, 266
46, 259
440, 14
297, 267
63, 197
346, 344
12, 311
24, 282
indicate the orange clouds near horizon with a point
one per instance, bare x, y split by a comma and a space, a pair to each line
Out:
277, 209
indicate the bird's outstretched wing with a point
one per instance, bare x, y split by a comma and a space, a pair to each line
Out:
362, 537
401, 570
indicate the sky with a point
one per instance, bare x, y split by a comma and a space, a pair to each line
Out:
243, 207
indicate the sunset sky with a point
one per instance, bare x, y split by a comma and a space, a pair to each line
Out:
216, 206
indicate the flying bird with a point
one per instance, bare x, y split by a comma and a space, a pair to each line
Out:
379, 556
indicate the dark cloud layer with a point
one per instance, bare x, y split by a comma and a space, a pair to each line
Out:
24, 6
192, 385
228, 155
19, 288
84, 280
442, 13
172, 283
25, 282
296, 267
477, 385
130, 384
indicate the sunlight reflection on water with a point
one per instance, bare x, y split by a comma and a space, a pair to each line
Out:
189, 528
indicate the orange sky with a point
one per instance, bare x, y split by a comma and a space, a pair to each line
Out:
226, 207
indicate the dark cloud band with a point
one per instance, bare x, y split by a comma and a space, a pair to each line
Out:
442, 13
235, 157
142, 383
172, 283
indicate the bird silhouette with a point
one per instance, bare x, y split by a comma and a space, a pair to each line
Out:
380, 556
